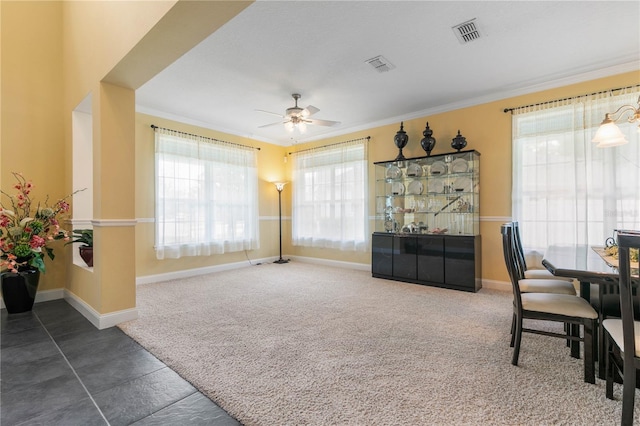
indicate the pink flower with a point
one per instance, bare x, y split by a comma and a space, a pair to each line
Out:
36, 242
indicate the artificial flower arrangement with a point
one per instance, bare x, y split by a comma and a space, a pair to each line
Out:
27, 227
612, 251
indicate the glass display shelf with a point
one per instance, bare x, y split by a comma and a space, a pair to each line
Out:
438, 194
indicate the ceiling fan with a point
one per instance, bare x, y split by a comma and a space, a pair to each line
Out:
298, 118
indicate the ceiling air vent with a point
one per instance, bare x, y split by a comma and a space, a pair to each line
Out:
380, 64
467, 31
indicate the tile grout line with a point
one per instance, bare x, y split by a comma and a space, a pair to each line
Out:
72, 369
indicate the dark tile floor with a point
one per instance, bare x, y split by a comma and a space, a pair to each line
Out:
58, 369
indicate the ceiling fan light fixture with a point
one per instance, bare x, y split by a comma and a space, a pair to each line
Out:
297, 117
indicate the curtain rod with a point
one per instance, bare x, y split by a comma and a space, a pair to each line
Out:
570, 98
368, 138
154, 127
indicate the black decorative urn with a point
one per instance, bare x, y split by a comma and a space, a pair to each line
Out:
429, 141
458, 142
401, 139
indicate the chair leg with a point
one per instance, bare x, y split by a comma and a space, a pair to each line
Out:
518, 339
513, 330
589, 350
575, 344
567, 330
628, 393
602, 353
609, 366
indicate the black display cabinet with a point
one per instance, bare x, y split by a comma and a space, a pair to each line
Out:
427, 227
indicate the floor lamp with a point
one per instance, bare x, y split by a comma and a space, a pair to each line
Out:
280, 187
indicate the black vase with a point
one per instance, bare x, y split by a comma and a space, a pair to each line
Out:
19, 289
400, 139
429, 142
458, 142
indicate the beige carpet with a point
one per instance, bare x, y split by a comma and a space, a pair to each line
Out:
301, 344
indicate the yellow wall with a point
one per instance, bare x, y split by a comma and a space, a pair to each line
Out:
31, 137
486, 127
111, 48
488, 130
53, 54
270, 169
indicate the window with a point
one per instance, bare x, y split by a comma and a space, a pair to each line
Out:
206, 196
330, 197
565, 189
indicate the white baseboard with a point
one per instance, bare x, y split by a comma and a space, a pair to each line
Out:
43, 296
186, 273
497, 285
115, 318
99, 321
328, 262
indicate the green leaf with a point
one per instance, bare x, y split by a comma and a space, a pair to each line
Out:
49, 251
38, 263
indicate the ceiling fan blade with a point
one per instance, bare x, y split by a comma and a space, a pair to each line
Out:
269, 112
317, 122
279, 123
309, 111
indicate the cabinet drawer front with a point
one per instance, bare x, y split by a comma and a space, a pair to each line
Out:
404, 257
460, 262
430, 259
382, 255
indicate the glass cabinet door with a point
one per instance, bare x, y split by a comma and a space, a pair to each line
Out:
439, 194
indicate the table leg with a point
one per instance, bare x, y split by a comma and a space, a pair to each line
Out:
585, 290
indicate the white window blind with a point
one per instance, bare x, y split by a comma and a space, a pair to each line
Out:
206, 196
565, 189
330, 197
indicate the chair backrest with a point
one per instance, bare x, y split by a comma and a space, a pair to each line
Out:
518, 246
511, 262
628, 270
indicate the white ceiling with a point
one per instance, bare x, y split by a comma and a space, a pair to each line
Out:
319, 48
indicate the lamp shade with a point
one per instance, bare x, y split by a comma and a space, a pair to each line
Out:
279, 185
609, 135
289, 126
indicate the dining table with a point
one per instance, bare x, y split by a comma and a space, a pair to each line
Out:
584, 263
588, 265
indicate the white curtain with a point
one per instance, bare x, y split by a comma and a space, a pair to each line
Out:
330, 197
565, 189
206, 196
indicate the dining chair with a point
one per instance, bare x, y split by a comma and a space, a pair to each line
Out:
563, 308
532, 273
605, 299
622, 336
537, 280
539, 283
